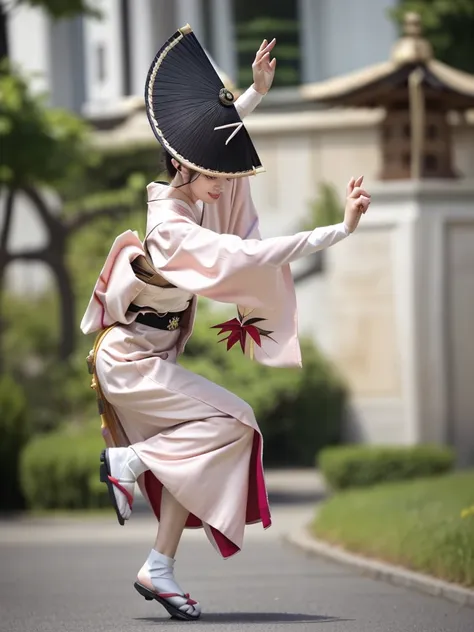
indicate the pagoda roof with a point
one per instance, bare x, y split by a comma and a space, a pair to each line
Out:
377, 85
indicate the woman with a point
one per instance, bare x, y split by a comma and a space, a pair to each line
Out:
194, 448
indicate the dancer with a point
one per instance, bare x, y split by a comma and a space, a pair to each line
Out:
194, 448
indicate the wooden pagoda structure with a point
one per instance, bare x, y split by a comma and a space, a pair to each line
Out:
417, 92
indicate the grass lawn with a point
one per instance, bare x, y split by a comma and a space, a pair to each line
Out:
416, 524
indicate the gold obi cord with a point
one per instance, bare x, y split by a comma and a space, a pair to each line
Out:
109, 422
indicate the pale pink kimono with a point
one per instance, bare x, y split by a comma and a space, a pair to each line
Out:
199, 440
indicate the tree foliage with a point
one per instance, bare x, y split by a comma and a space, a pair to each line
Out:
62, 8
448, 25
40, 145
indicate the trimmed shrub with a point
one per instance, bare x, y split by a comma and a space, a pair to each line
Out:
60, 470
362, 466
13, 436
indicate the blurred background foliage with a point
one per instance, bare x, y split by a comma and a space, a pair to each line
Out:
26, 121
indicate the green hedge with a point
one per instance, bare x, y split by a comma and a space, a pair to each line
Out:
362, 466
60, 470
13, 435
417, 524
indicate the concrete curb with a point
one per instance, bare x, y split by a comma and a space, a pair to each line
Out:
381, 570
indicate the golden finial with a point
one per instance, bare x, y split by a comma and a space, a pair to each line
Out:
412, 25
412, 47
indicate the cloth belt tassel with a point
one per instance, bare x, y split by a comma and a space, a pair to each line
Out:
109, 422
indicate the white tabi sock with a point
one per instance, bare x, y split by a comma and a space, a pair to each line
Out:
160, 569
126, 467
133, 463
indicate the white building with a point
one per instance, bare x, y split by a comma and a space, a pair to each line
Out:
89, 65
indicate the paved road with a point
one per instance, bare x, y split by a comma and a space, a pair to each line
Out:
76, 576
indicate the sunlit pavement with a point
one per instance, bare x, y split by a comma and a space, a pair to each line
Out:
76, 575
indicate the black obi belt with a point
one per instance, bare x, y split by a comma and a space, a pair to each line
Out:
170, 321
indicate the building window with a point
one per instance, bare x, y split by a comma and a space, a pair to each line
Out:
126, 60
432, 132
101, 69
431, 163
267, 19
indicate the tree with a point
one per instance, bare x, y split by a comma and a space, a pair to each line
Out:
449, 27
39, 146
42, 147
58, 150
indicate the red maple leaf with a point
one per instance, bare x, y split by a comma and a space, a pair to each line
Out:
238, 330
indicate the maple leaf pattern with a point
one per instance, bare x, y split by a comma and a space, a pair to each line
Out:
241, 327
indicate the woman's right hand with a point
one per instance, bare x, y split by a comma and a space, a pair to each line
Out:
357, 203
262, 68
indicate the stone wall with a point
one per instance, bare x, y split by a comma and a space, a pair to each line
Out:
395, 305
401, 299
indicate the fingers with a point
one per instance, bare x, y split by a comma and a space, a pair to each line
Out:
265, 64
356, 191
362, 203
353, 183
271, 45
264, 49
350, 187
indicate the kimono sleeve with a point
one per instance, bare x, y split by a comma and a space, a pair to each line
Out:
226, 267
247, 102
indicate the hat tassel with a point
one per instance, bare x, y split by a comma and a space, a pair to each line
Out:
238, 127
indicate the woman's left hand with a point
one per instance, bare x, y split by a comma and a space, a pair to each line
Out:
357, 203
263, 69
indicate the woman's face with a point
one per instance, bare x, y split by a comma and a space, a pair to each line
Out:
208, 189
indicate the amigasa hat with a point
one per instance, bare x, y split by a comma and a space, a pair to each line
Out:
193, 115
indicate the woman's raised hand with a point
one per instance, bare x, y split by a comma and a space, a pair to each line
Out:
357, 202
263, 69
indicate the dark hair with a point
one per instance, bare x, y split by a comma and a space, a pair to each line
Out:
171, 169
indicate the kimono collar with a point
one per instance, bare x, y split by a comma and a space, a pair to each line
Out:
160, 191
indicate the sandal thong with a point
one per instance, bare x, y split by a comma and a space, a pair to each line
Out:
161, 598
111, 482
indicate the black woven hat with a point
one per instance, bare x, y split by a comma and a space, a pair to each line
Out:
193, 115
